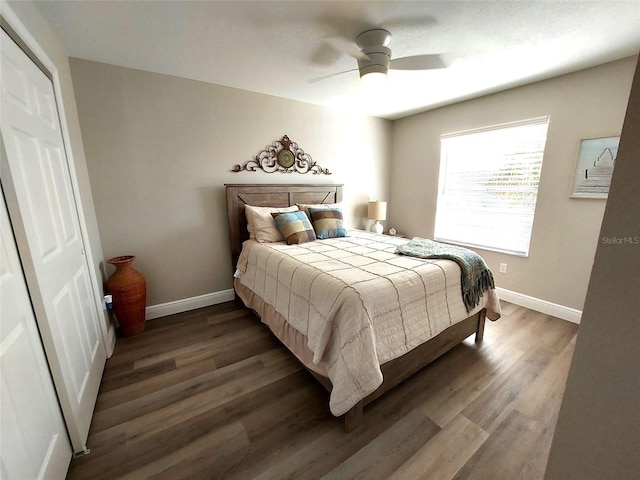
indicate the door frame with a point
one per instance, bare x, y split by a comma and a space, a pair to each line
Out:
14, 27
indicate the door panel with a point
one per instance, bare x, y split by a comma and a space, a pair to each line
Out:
40, 198
37, 201
67, 212
33, 437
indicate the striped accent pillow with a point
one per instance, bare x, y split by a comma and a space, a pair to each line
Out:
295, 227
327, 222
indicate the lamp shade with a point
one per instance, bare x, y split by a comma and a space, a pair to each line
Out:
377, 211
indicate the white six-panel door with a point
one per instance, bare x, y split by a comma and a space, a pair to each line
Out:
40, 199
33, 440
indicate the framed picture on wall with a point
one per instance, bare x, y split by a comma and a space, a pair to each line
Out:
594, 168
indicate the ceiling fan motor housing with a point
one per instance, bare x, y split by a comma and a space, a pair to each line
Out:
375, 45
373, 37
378, 61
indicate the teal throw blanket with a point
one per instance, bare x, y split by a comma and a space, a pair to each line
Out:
476, 276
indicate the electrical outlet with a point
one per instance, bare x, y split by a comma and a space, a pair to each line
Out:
503, 268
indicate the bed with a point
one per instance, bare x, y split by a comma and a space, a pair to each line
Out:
361, 337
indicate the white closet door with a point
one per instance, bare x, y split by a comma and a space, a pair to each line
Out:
40, 199
33, 438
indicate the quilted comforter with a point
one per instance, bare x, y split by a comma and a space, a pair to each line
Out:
358, 303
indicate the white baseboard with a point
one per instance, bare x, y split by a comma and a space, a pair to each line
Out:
186, 304
548, 308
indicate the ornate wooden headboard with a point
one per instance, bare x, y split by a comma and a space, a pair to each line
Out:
269, 195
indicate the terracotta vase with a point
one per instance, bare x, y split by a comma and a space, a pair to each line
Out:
129, 290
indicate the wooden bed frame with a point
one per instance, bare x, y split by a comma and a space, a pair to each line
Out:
285, 195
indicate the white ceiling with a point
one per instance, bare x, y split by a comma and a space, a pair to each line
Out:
277, 47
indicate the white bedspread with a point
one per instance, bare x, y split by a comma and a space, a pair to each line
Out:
359, 304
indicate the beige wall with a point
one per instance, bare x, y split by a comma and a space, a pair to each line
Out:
598, 430
42, 36
159, 150
590, 103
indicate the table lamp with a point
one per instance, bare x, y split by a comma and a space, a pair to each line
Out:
377, 211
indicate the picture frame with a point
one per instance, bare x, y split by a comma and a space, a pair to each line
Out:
594, 167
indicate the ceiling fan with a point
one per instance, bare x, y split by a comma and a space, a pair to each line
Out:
371, 50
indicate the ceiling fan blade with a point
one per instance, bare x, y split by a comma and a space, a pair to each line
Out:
331, 75
346, 46
325, 56
418, 62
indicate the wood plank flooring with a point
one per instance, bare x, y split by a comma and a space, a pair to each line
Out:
210, 394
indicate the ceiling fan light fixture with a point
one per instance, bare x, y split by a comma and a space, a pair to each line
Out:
373, 78
373, 69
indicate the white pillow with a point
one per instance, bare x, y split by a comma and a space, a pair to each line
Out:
261, 225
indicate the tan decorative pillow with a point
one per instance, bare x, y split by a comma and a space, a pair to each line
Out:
261, 225
306, 206
295, 227
327, 222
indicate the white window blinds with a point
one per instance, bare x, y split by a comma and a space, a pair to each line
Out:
489, 185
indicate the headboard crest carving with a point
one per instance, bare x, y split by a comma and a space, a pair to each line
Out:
282, 156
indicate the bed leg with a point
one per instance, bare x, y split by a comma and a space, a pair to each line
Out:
353, 417
481, 321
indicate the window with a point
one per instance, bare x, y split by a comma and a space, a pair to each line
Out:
489, 185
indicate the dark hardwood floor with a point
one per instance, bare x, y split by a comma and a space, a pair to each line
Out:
211, 394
